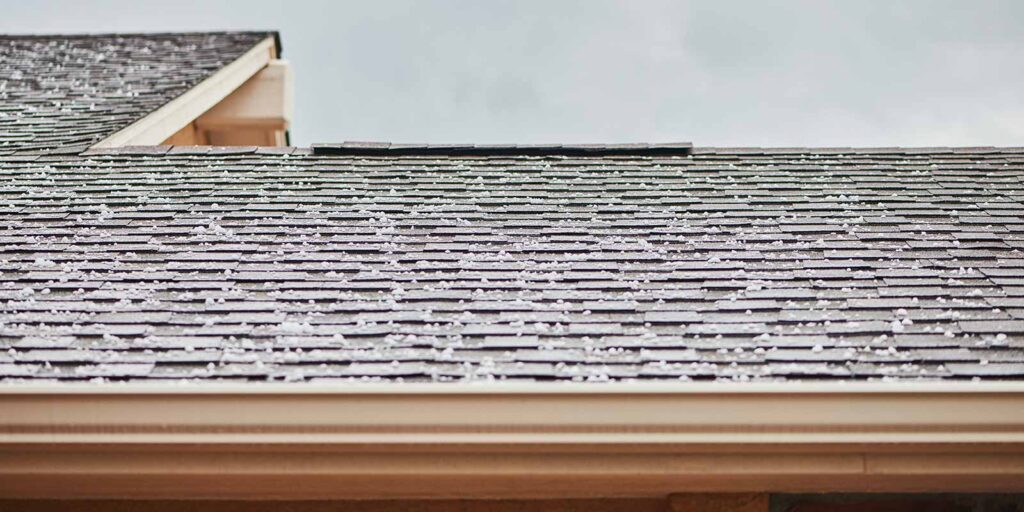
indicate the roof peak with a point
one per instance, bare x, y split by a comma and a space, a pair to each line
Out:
395, 149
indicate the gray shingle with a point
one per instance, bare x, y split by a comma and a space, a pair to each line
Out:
671, 317
506, 266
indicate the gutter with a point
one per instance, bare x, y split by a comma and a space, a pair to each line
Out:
507, 440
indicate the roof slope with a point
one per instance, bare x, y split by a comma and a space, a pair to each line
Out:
68, 92
206, 263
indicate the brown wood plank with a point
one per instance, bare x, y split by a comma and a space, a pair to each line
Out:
719, 502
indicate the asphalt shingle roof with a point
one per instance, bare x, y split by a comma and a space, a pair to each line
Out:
255, 264
65, 93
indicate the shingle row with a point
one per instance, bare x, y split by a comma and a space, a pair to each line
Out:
256, 264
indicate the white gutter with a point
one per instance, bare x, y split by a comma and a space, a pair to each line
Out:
538, 440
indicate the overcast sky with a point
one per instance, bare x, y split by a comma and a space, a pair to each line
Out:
834, 73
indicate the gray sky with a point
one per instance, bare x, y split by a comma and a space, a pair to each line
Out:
836, 73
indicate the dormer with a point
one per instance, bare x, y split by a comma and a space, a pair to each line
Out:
248, 102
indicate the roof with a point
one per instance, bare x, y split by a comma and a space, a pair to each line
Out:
64, 93
197, 263
884, 275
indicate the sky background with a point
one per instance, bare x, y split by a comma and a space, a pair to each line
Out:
717, 73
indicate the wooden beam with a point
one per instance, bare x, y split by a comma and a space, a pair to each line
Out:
257, 114
512, 505
721, 502
264, 101
187, 136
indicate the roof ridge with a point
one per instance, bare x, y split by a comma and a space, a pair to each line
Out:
385, 149
394, 149
87, 35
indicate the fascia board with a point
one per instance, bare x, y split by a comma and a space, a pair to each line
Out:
456, 440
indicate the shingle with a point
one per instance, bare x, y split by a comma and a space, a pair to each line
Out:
132, 317
671, 317
504, 265
1001, 370
992, 326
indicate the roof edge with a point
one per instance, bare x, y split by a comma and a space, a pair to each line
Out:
835, 388
395, 149
86, 35
738, 412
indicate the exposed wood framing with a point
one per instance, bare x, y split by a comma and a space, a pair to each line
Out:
258, 113
187, 136
172, 117
452, 441
725, 502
